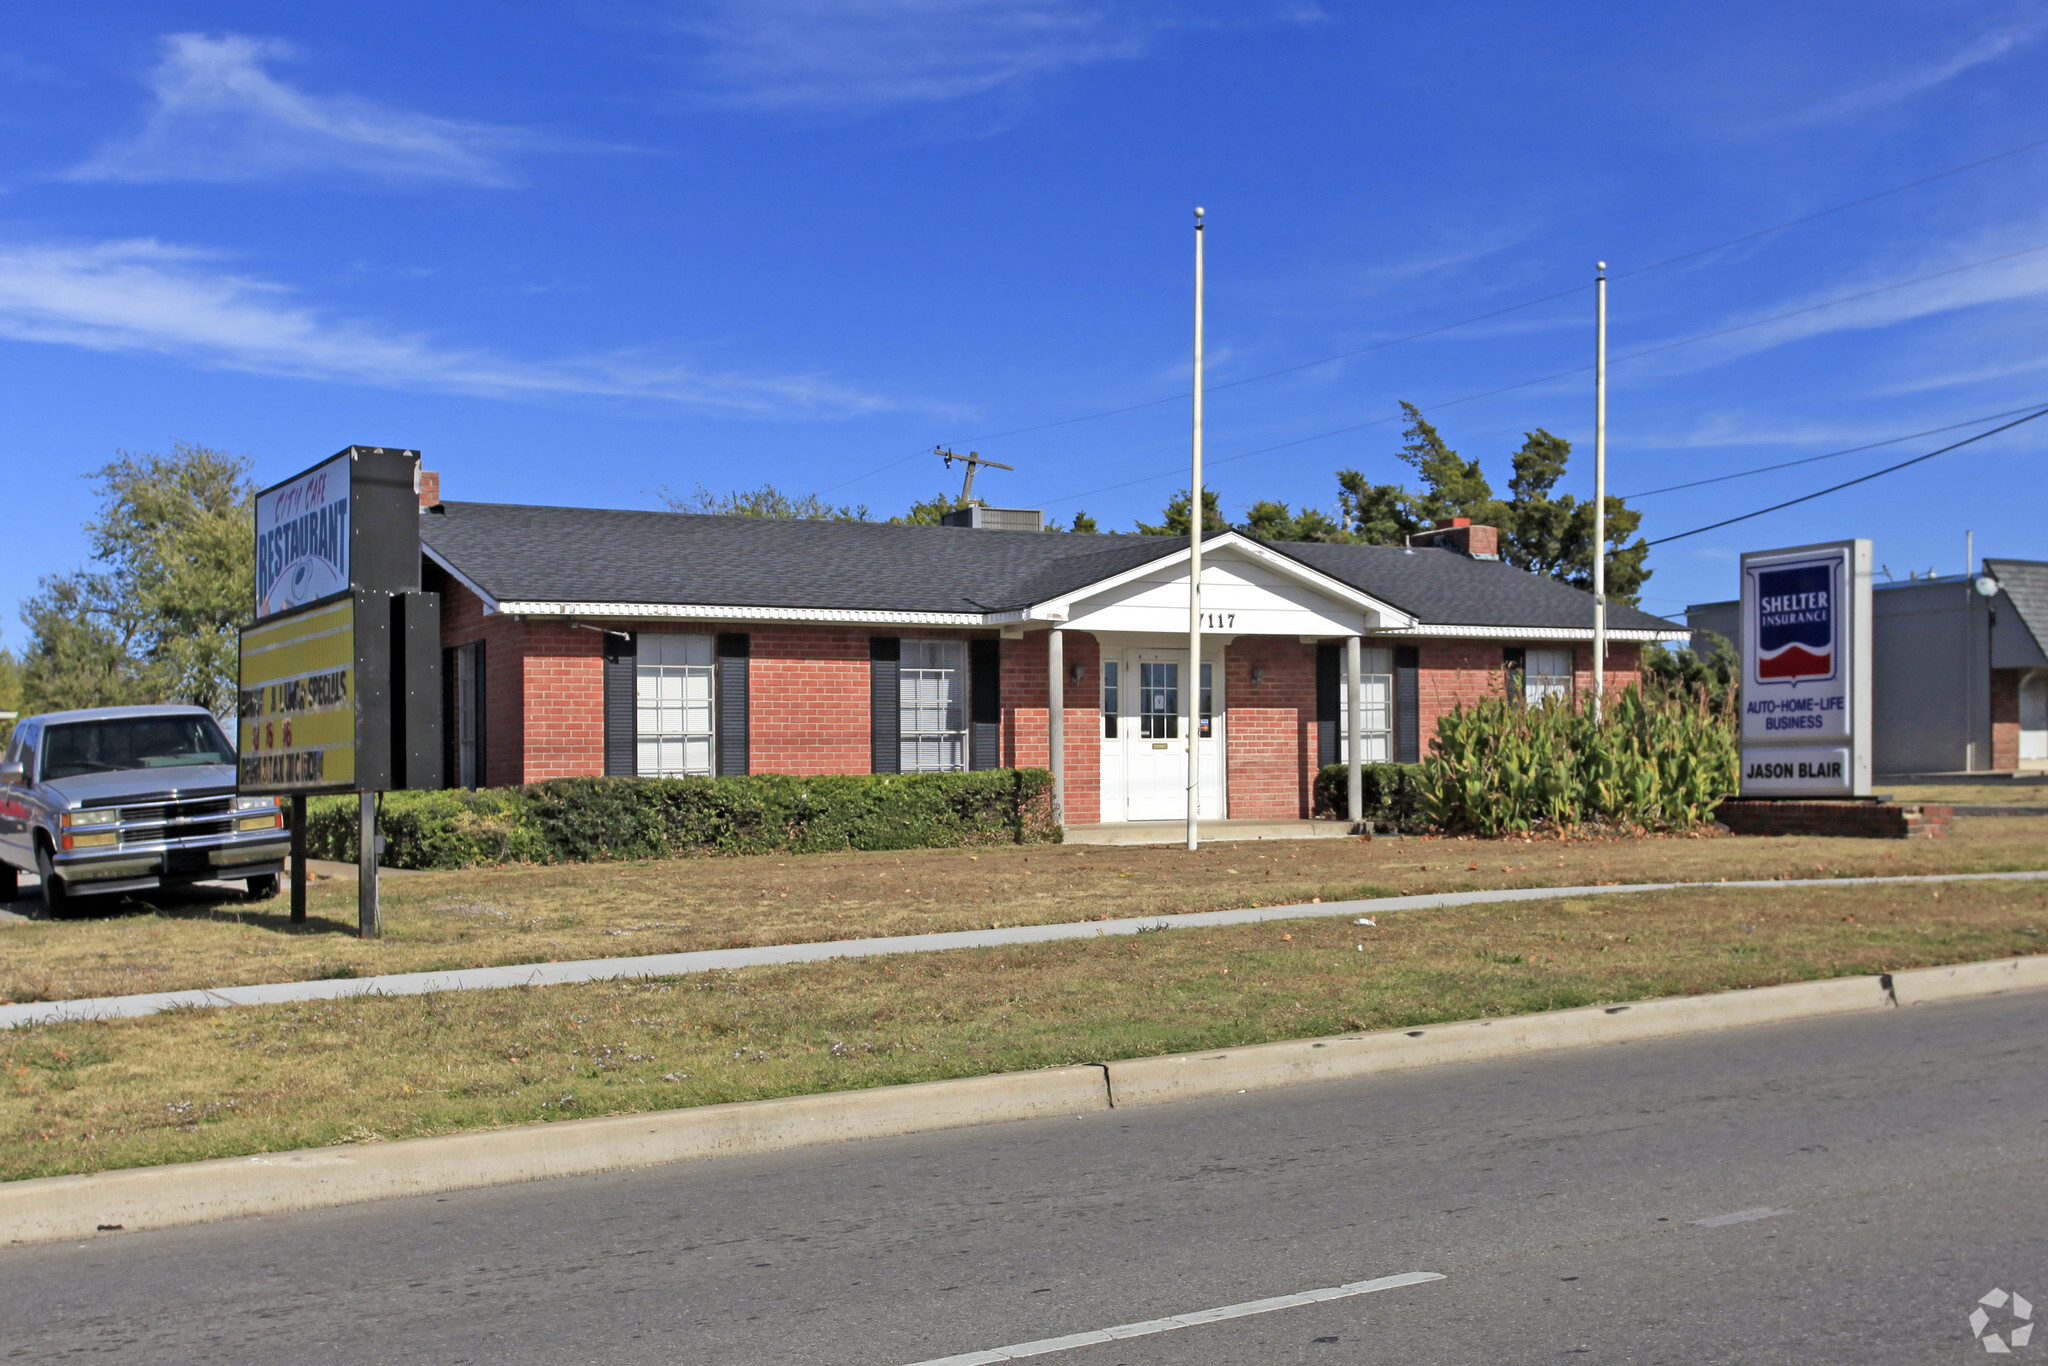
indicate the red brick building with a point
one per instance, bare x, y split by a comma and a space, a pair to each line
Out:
584, 641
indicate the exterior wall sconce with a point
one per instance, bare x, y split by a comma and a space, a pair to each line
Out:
1076, 672
1258, 674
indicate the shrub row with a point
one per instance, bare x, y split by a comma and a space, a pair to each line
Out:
1659, 763
568, 820
1392, 793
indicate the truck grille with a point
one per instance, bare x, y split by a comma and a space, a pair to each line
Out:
177, 820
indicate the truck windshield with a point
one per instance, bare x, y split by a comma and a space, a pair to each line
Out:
125, 742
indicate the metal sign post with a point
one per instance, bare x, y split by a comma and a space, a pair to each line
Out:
368, 922
297, 870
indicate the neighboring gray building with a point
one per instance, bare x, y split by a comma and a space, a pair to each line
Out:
1960, 680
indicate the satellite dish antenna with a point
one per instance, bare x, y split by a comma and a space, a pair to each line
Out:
1986, 586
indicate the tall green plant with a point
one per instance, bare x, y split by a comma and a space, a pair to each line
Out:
1657, 762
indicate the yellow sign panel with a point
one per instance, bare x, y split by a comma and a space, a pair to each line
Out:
297, 706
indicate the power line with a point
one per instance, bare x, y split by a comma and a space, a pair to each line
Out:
1582, 369
1812, 459
1528, 303
1476, 318
1851, 483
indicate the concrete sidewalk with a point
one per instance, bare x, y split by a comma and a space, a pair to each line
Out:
715, 960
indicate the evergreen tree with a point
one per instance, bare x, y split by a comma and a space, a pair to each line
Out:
765, 501
1084, 524
1271, 521
1176, 517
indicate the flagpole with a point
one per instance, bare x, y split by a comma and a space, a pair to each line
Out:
1193, 682
1600, 499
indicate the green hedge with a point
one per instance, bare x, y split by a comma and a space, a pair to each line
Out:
1392, 792
1660, 763
569, 820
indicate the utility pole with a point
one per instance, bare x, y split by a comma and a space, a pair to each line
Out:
1600, 499
971, 460
1195, 519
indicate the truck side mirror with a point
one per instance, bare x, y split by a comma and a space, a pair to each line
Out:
10, 774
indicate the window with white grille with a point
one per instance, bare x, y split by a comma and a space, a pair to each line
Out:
1547, 677
1376, 674
674, 726
931, 718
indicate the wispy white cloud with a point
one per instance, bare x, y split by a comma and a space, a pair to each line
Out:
1980, 274
868, 54
1993, 43
218, 114
148, 297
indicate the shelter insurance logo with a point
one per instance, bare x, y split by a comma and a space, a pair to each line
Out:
1795, 620
2016, 1328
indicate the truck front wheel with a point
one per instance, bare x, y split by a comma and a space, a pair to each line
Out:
56, 897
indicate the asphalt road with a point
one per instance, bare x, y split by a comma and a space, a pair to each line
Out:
1907, 1153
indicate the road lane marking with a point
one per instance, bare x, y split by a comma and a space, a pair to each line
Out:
1741, 1216
1095, 1337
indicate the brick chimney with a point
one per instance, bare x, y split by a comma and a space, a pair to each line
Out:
430, 490
1459, 534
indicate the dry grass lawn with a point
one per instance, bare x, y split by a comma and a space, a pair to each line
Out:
212, 1083
485, 917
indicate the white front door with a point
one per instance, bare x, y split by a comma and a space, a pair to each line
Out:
2034, 717
1151, 733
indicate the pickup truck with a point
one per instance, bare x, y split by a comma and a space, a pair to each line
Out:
122, 799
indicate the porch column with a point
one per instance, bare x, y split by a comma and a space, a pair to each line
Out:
1056, 716
1354, 728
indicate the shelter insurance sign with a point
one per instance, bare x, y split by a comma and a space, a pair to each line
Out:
302, 539
1806, 671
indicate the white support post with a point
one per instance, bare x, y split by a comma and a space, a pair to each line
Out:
1056, 717
1354, 730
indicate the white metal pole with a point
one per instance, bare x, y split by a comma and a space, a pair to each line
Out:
1193, 682
1600, 501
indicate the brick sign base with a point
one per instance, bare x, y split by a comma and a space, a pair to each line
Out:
1863, 820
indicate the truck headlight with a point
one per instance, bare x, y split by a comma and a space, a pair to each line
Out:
106, 816
268, 821
255, 803
104, 838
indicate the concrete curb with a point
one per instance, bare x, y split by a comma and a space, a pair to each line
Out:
1188, 1076
716, 960
1921, 986
51, 1209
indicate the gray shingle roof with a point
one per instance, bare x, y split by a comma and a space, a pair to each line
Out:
1444, 588
2026, 585
553, 554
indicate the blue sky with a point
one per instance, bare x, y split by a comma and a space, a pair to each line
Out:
580, 253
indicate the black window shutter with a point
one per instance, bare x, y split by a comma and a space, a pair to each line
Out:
985, 703
1329, 672
451, 742
621, 704
1515, 664
884, 655
735, 653
482, 716
1407, 705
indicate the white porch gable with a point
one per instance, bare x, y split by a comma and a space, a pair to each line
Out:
1246, 590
